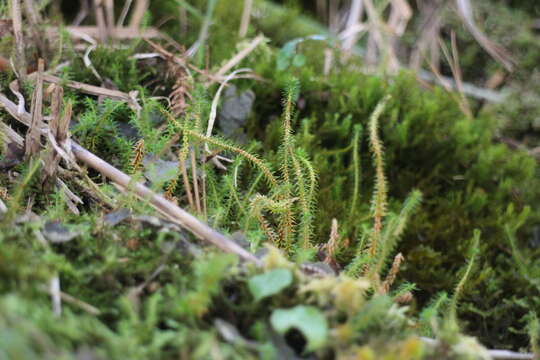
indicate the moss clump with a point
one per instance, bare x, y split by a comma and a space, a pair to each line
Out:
468, 181
159, 295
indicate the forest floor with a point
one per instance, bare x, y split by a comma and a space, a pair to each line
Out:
277, 180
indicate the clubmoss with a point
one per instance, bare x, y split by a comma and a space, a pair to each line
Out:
145, 289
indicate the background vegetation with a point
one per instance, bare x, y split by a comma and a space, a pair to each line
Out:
391, 213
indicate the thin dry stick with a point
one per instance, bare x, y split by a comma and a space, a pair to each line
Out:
495, 354
20, 59
83, 305
109, 7
125, 33
100, 20
460, 99
138, 13
205, 212
33, 136
130, 98
429, 29
213, 114
195, 181
239, 56
77, 302
51, 159
85, 88
185, 179
456, 71
14, 87
355, 15
11, 135
246, 16
123, 14
83, 12
499, 53
379, 39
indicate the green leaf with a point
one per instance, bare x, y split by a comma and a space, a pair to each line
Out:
283, 62
307, 319
299, 60
270, 283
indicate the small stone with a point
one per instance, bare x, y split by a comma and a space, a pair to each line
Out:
57, 233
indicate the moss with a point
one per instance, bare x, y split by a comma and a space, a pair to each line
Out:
468, 180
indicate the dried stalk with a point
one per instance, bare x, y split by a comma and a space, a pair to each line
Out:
195, 181
124, 13
109, 13
130, 98
51, 159
499, 53
138, 13
33, 135
20, 58
239, 57
103, 31
355, 15
83, 12
77, 302
246, 16
119, 33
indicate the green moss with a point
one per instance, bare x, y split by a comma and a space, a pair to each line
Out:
467, 179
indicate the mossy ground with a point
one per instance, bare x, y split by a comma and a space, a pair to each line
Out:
161, 294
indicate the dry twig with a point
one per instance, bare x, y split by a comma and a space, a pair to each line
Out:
20, 58
246, 15
138, 13
33, 135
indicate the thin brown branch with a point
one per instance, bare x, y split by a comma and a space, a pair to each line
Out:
103, 32
77, 302
239, 56
109, 15
130, 98
33, 135
51, 159
246, 16
138, 13
20, 58
83, 12
499, 53
195, 181
124, 13
118, 33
